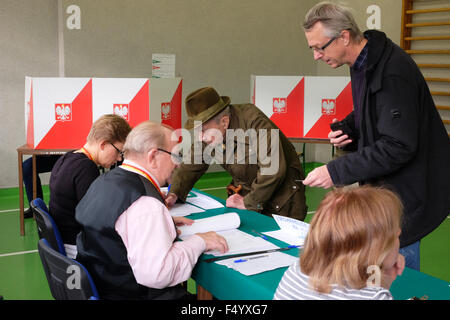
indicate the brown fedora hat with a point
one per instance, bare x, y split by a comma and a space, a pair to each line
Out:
203, 104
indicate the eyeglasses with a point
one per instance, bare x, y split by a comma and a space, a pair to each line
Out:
177, 157
118, 150
322, 49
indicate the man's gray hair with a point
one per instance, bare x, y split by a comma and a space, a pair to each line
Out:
224, 112
334, 18
145, 136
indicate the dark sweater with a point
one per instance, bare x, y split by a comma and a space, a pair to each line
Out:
70, 179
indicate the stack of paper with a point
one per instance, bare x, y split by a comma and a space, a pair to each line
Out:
291, 231
241, 242
184, 209
227, 221
202, 201
226, 225
195, 202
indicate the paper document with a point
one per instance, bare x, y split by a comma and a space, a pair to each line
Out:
227, 221
241, 242
226, 225
163, 65
291, 231
202, 201
183, 209
259, 263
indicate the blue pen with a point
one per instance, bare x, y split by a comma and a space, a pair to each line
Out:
240, 260
260, 234
168, 188
243, 260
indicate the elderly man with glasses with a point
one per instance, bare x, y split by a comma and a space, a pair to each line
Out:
395, 135
127, 238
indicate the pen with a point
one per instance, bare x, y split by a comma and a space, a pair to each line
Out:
168, 188
243, 260
260, 234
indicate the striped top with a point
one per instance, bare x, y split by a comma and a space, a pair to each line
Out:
295, 286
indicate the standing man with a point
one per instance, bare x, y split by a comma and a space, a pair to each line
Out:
395, 131
242, 137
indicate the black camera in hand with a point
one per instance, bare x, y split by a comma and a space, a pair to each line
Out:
341, 125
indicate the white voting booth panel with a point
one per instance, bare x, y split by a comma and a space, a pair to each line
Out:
165, 101
59, 112
303, 107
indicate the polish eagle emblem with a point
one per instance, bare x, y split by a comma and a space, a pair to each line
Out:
63, 112
122, 110
279, 105
328, 106
165, 110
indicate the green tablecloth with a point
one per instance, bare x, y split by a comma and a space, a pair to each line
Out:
228, 284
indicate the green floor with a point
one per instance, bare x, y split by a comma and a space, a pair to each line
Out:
22, 276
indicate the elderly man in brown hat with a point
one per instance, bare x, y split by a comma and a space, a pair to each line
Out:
254, 186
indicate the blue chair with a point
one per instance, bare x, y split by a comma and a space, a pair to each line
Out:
46, 226
67, 278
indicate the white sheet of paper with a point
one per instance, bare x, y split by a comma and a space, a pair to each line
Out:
183, 209
226, 225
217, 223
291, 231
241, 242
259, 263
203, 201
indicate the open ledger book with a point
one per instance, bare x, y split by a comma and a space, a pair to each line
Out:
226, 225
239, 242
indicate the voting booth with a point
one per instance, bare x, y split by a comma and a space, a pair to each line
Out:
59, 112
303, 107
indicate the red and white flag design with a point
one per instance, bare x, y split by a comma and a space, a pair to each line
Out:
303, 107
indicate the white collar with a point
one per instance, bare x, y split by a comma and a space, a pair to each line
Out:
134, 164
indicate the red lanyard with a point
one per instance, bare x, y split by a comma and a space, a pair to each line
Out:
87, 153
145, 174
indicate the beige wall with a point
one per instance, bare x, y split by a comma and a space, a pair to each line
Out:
219, 43
28, 30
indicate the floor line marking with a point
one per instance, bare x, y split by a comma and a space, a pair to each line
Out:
17, 253
9, 210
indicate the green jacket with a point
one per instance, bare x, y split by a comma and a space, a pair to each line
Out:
274, 193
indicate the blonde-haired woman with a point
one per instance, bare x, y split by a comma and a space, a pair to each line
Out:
351, 251
74, 172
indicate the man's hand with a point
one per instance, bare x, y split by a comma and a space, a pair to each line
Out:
214, 241
235, 201
319, 177
182, 221
341, 141
171, 198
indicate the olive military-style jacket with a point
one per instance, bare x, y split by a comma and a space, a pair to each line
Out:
269, 170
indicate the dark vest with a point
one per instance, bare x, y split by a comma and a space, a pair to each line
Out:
100, 247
